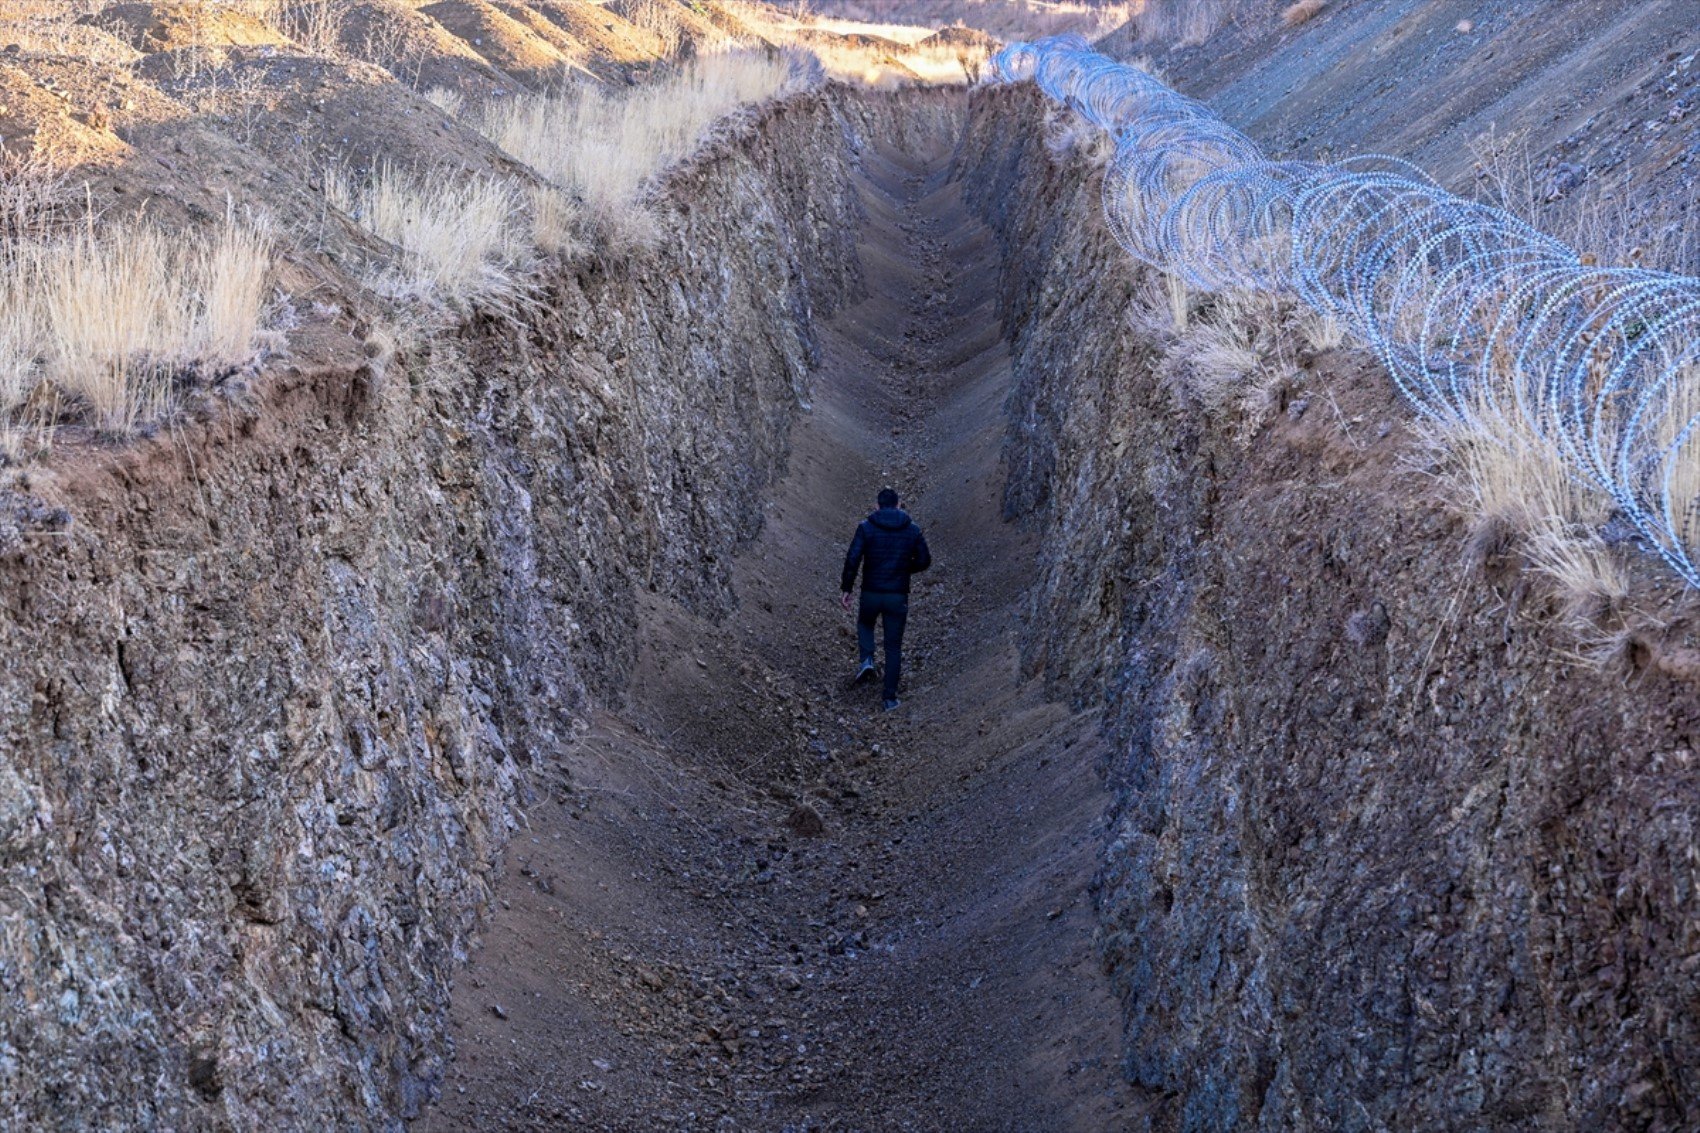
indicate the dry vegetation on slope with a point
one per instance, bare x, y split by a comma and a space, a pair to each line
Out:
195, 185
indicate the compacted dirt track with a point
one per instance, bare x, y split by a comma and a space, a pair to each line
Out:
753, 901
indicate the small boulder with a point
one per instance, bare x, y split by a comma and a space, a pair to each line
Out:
805, 821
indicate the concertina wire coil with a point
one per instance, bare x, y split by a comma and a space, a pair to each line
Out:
1473, 311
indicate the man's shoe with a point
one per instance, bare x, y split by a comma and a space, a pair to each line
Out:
867, 670
891, 704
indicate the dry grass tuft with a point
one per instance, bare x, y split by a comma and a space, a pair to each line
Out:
557, 223
1182, 23
1220, 360
1607, 218
878, 70
1235, 358
1520, 487
450, 102
457, 236
1070, 134
1231, 353
112, 317
1302, 12
663, 19
1318, 331
605, 147
1008, 20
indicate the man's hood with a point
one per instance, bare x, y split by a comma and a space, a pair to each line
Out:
890, 518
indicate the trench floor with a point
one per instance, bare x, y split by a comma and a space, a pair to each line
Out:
750, 900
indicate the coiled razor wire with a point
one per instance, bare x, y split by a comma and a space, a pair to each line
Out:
1473, 311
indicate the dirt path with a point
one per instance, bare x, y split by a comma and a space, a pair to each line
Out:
759, 903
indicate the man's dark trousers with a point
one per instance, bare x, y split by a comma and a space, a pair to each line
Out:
894, 608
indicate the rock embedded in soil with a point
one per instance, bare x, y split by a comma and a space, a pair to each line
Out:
805, 821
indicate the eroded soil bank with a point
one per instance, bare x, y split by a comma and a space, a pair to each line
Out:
1386, 857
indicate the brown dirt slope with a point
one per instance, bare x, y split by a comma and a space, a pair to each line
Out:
1609, 85
417, 49
503, 41
168, 27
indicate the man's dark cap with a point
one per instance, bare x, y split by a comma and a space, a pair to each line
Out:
888, 498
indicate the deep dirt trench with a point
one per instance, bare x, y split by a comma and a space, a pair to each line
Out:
749, 900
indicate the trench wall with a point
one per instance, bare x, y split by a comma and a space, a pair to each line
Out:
1382, 857
276, 688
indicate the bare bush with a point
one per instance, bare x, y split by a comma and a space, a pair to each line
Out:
1606, 218
315, 25
1236, 357
662, 19
1008, 20
450, 102
1320, 331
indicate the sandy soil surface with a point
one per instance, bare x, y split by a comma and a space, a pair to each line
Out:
754, 901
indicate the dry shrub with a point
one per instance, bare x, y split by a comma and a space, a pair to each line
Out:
1009, 20
457, 235
113, 316
30, 189
1235, 357
315, 25
635, 227
1069, 134
1303, 12
58, 33
1673, 430
1220, 359
882, 70
660, 19
783, 24
605, 146
1231, 353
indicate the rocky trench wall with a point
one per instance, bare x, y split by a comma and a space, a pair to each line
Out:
274, 690
1383, 857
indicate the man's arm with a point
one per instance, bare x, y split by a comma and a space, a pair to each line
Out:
920, 558
852, 562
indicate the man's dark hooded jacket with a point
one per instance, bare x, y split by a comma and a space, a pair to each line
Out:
888, 548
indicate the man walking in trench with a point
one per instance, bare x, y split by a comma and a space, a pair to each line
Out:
887, 549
